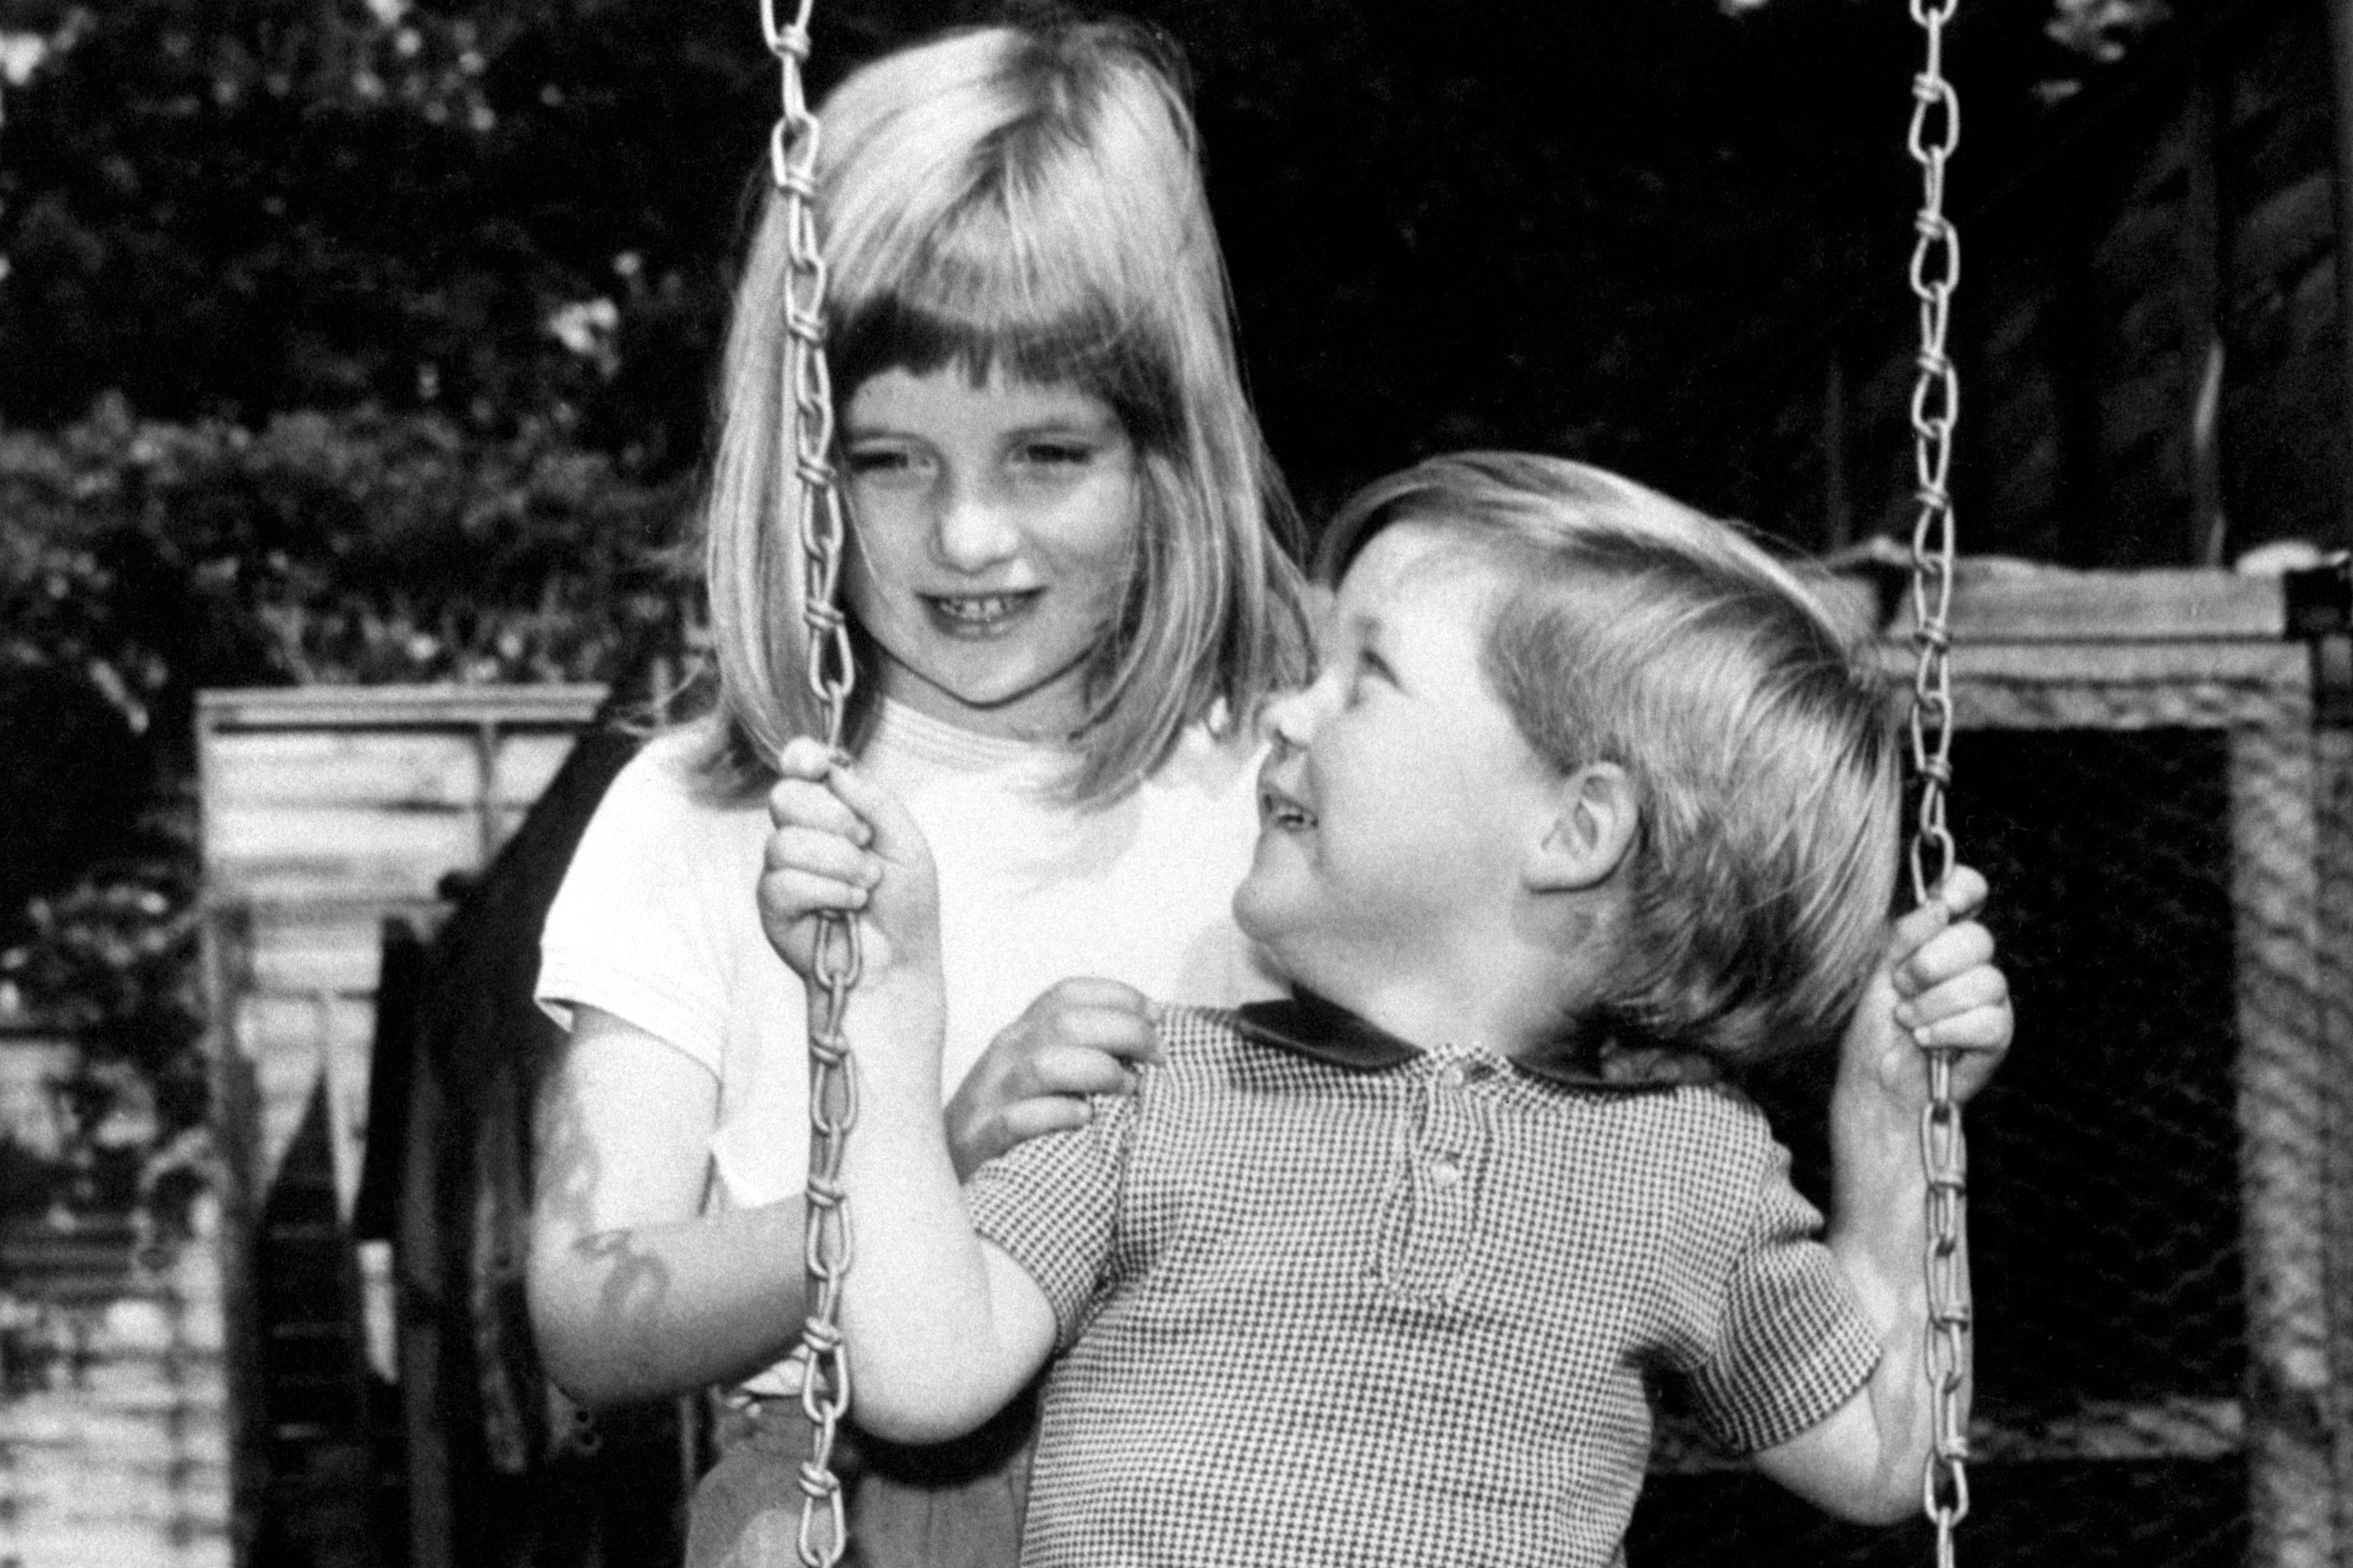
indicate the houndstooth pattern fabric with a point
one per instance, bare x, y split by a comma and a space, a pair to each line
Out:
1317, 1315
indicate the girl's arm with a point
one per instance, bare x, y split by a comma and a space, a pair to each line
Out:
1940, 987
943, 1329
635, 1292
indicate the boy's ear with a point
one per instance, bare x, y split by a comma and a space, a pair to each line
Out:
1590, 833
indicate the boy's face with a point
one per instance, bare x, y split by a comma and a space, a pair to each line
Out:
1398, 802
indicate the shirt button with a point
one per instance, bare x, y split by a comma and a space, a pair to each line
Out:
1444, 1173
1455, 1075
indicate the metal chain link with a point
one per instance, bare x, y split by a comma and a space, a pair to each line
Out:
1935, 405
819, 528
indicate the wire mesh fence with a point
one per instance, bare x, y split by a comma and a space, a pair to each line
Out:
2159, 1176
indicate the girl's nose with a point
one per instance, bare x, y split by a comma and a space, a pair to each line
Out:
973, 531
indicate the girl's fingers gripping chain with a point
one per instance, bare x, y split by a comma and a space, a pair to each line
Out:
837, 873
839, 844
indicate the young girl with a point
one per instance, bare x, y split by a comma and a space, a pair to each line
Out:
1068, 593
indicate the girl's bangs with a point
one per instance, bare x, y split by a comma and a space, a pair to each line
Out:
990, 313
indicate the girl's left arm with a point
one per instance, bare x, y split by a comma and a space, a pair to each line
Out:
1939, 987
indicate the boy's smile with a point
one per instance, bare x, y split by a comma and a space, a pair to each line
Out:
1400, 801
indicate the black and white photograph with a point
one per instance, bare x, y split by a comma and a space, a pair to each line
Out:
1139, 784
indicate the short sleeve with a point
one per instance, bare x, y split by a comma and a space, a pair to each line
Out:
632, 931
1052, 1204
1791, 1344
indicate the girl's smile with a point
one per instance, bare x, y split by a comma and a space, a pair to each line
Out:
996, 530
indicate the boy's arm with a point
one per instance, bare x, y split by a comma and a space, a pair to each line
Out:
1939, 988
943, 1330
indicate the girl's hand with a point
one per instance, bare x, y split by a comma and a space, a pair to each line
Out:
1082, 1038
841, 844
1939, 988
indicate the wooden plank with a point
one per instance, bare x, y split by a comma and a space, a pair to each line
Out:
327, 707
1998, 601
2280, 1069
276, 853
344, 767
2333, 738
276, 1027
309, 949
2062, 664
524, 764
290, 1040
228, 1223
60, 1423
39, 1542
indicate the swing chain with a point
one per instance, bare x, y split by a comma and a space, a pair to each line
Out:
1935, 405
819, 527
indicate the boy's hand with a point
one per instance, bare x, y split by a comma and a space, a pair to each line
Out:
1939, 988
842, 844
1081, 1038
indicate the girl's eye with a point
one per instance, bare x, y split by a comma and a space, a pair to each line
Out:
880, 462
1056, 454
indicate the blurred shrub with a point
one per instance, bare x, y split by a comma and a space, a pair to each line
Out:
140, 561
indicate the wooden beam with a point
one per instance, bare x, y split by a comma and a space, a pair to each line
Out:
396, 707
2333, 739
2005, 601
2281, 1071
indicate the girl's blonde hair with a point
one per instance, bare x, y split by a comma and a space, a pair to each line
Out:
1025, 201
1754, 728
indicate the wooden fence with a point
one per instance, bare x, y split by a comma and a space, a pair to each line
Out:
325, 812
114, 1408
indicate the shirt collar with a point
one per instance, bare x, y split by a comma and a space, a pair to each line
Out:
1319, 1028
1309, 1025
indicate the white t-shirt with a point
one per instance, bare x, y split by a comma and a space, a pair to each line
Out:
657, 924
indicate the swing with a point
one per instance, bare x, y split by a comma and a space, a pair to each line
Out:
818, 526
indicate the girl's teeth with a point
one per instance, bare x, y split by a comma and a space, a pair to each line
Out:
978, 610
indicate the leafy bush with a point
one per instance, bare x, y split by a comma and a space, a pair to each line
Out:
140, 561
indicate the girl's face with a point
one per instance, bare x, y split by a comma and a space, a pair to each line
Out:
994, 534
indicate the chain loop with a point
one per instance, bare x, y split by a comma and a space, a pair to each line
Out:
819, 529
1935, 406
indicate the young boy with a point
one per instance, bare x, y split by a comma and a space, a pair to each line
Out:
1591, 809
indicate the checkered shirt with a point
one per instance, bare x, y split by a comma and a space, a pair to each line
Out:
1342, 1301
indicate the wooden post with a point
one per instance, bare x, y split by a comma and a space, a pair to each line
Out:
2282, 1071
2333, 742
235, 1117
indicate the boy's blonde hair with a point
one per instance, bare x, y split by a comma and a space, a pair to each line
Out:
1755, 732
1028, 202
